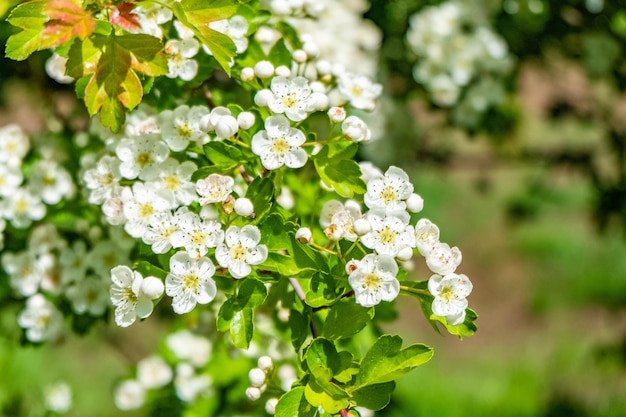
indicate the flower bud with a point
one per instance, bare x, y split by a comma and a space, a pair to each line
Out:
226, 127
253, 393
337, 114
256, 377
415, 203
299, 56
264, 69
247, 74
355, 129
318, 101
304, 235
244, 207
361, 227
263, 97
246, 120
311, 48
283, 70
152, 287
352, 265
270, 406
323, 67
265, 363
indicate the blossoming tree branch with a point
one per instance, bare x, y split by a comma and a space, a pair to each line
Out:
219, 180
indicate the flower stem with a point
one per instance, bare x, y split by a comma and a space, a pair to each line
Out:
414, 290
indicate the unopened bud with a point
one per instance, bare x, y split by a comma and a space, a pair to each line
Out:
270, 406
415, 203
226, 127
337, 114
405, 253
299, 56
245, 119
256, 377
247, 74
244, 207
263, 97
265, 363
361, 227
264, 69
304, 235
152, 287
283, 70
352, 265
253, 393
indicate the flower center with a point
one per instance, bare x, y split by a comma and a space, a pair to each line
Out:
388, 195
49, 180
144, 159
191, 282
387, 235
446, 294
197, 237
371, 281
280, 146
290, 100
21, 206
146, 210
129, 296
238, 253
356, 91
184, 131
172, 182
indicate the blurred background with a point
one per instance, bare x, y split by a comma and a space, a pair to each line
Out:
521, 161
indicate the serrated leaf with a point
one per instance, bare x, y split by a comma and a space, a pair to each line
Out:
374, 397
30, 18
323, 290
83, 58
66, 20
294, 404
261, 193
221, 153
346, 318
197, 14
325, 394
242, 328
386, 360
252, 293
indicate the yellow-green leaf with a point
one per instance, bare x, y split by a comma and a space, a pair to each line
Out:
30, 18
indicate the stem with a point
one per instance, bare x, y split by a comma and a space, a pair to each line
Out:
324, 249
414, 290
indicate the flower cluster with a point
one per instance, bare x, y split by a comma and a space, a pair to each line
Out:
460, 59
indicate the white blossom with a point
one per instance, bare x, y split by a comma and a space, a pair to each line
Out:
182, 126
450, 292
389, 192
359, 90
40, 319
22, 207
140, 205
375, 280
279, 144
126, 295
129, 395
356, 129
180, 60
189, 385
426, 236
190, 282
58, 397
14, 145
89, 296
240, 250
153, 372
389, 234
196, 235
10, 179
291, 97
141, 156
51, 181
24, 272
189, 347
214, 189
175, 181
442, 259
102, 179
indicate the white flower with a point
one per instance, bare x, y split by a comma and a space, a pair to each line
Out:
235, 28
442, 259
58, 397
389, 234
51, 182
113, 207
279, 144
189, 385
355, 129
10, 179
14, 145
24, 272
450, 292
126, 295
41, 319
359, 90
140, 205
240, 250
160, 229
444, 91
22, 207
375, 280
141, 156
291, 97
55, 68
183, 125
426, 236
88, 296
175, 180
190, 282
189, 347
151, 16
215, 188
102, 179
389, 192
179, 58
196, 235
153, 372
129, 395
342, 221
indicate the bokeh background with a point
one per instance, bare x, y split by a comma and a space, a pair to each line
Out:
533, 193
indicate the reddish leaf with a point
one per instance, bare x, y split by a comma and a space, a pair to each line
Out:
66, 21
122, 16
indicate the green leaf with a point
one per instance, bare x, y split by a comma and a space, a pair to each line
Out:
325, 394
290, 34
294, 404
283, 264
261, 193
299, 325
323, 290
197, 14
146, 53
223, 154
276, 232
345, 319
242, 328
146, 269
386, 361
374, 397
83, 58
467, 328
280, 54
252, 293
30, 18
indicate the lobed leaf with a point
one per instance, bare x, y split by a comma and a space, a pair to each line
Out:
66, 20
30, 18
346, 318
